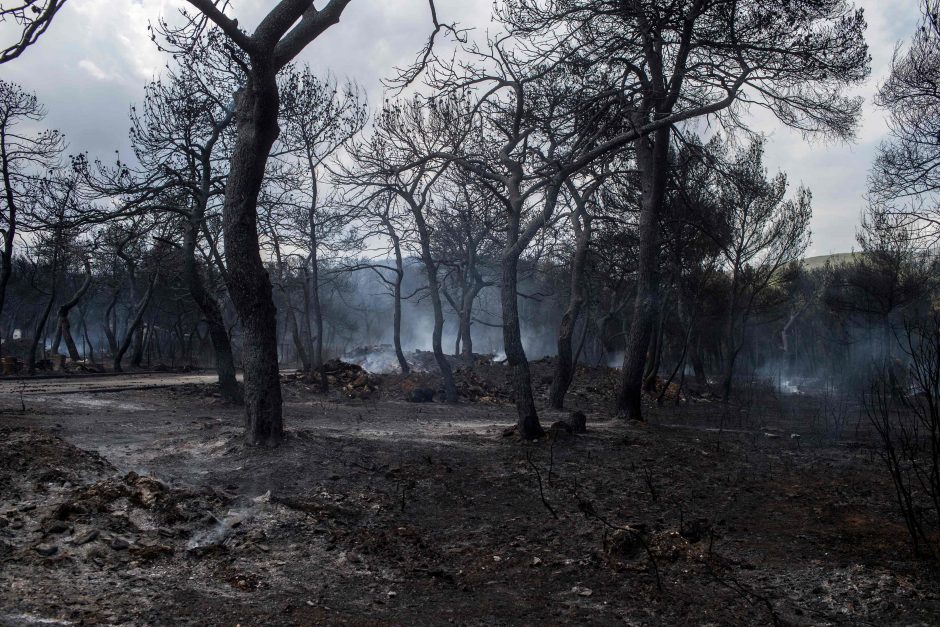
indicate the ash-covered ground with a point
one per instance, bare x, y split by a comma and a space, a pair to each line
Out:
130, 500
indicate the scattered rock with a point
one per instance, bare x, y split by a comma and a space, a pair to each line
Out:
86, 537
46, 550
57, 526
581, 591
120, 544
577, 421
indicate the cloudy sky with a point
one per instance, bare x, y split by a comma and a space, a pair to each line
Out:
97, 56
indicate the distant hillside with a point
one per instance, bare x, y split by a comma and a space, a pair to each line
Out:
811, 263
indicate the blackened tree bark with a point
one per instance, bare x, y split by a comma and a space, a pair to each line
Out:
434, 289
211, 311
134, 324
280, 36
528, 425
64, 328
39, 332
399, 277
652, 156
656, 348
565, 363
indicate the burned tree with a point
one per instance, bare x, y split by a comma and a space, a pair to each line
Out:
180, 137
581, 218
767, 234
408, 132
465, 240
905, 177
383, 216
280, 36
319, 118
665, 64
25, 158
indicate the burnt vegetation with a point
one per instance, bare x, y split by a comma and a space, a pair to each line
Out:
532, 338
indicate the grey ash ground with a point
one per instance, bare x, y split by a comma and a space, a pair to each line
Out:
142, 506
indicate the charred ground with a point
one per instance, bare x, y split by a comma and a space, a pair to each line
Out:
143, 506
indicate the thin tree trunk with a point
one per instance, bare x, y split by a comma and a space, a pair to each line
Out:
564, 363
298, 340
733, 346
316, 357
447, 374
64, 328
39, 333
212, 313
399, 278
135, 324
528, 426
652, 158
656, 352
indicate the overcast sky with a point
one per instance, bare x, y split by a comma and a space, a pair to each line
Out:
95, 59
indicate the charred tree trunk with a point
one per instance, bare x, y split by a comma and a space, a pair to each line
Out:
206, 302
315, 308
447, 373
698, 365
298, 340
656, 353
6, 264
465, 337
110, 324
528, 426
564, 364
137, 356
316, 312
430, 265
396, 288
134, 324
248, 282
652, 160
731, 333
64, 328
39, 332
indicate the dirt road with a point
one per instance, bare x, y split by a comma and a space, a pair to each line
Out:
91, 384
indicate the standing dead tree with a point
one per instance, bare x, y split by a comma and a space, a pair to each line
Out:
581, 219
64, 326
384, 217
465, 241
405, 132
318, 119
767, 235
180, 138
905, 177
25, 159
279, 37
666, 63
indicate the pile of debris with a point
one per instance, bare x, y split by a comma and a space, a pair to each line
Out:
672, 393
62, 503
352, 380
474, 387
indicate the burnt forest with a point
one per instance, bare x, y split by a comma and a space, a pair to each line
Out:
428, 312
